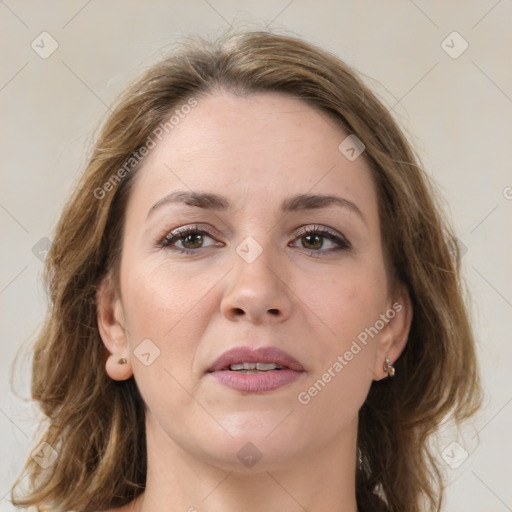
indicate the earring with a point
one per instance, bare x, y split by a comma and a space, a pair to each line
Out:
388, 367
118, 368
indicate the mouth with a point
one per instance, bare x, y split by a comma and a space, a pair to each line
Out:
252, 368
259, 370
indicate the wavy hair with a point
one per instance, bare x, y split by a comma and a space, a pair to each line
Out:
97, 425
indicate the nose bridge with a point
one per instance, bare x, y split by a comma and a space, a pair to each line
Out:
257, 287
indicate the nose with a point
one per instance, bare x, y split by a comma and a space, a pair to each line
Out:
256, 290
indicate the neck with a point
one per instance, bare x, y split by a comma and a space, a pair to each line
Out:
317, 482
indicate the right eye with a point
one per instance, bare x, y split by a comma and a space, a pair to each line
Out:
190, 238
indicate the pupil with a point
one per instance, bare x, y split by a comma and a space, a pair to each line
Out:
193, 241
314, 241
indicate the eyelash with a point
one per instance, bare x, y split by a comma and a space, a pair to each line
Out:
176, 235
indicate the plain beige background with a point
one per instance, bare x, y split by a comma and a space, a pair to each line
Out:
455, 102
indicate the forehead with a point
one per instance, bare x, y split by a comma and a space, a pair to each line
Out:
259, 147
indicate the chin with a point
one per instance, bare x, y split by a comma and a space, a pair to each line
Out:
261, 443
246, 456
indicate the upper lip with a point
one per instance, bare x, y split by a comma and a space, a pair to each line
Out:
255, 355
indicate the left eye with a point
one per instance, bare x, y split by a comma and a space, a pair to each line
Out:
315, 239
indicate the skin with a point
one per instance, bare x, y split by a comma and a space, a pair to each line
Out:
256, 151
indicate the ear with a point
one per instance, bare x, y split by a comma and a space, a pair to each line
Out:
396, 331
111, 325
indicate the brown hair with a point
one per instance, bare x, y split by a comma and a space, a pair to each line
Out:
97, 424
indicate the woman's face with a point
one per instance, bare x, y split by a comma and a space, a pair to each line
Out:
268, 265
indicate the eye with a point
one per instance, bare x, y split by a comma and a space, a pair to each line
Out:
316, 239
319, 239
187, 240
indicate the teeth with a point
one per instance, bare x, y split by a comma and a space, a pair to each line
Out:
255, 366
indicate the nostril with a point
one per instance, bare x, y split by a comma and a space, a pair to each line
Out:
274, 311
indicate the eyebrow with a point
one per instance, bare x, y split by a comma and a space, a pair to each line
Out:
217, 202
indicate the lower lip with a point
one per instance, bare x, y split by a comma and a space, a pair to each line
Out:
256, 382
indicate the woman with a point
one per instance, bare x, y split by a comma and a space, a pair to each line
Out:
255, 301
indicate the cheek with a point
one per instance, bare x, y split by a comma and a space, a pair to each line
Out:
348, 310
166, 314
346, 301
160, 300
